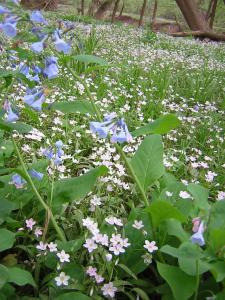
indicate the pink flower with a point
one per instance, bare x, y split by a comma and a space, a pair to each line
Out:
150, 246
30, 223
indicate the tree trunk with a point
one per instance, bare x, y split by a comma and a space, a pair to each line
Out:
154, 13
115, 10
142, 13
40, 4
212, 13
94, 4
101, 12
193, 15
82, 7
121, 11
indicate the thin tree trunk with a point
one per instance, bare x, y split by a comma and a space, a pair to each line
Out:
101, 12
121, 11
94, 4
154, 13
193, 15
213, 13
115, 10
82, 7
142, 13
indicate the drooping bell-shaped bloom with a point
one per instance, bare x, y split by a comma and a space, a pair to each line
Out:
103, 128
48, 153
4, 10
60, 44
18, 181
25, 70
9, 26
51, 68
121, 133
35, 98
37, 47
10, 115
37, 17
59, 145
198, 238
36, 70
36, 174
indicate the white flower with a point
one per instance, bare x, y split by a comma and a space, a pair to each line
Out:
63, 256
209, 177
30, 223
99, 278
169, 194
109, 290
150, 246
108, 256
62, 279
90, 245
221, 195
114, 221
52, 247
42, 246
38, 232
184, 195
138, 224
96, 201
91, 271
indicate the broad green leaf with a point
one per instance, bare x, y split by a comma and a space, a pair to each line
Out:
73, 295
20, 277
18, 126
160, 126
174, 228
71, 189
70, 246
147, 162
200, 195
181, 284
90, 59
186, 250
77, 106
5, 209
162, 210
142, 294
218, 270
217, 219
217, 238
7, 239
75, 271
4, 275
127, 270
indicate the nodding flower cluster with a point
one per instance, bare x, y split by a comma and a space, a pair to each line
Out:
114, 126
9, 17
57, 155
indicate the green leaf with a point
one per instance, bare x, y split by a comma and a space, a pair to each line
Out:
147, 162
4, 275
175, 228
217, 238
127, 270
73, 295
18, 126
20, 277
160, 126
186, 250
75, 271
162, 210
77, 106
71, 189
200, 195
7, 239
141, 293
70, 246
90, 59
5, 209
217, 219
218, 270
181, 284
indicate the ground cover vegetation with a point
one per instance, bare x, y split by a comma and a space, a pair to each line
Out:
111, 162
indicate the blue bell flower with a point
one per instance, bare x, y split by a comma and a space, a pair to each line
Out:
10, 115
60, 44
198, 238
36, 174
37, 17
121, 133
35, 98
18, 181
37, 47
51, 69
4, 10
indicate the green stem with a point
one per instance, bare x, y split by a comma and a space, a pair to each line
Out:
119, 149
197, 280
42, 202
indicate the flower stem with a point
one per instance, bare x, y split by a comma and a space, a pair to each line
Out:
119, 149
42, 202
197, 280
